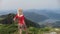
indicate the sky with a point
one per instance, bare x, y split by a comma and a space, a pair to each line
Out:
28, 4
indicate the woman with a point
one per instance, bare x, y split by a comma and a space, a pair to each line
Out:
21, 23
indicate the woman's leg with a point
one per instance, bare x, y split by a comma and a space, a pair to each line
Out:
20, 29
25, 29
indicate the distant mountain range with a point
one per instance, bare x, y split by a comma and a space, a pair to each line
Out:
44, 17
4, 12
38, 15
8, 19
35, 17
50, 14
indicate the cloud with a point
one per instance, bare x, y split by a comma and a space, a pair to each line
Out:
29, 4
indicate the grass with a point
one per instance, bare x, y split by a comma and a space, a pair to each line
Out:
1, 18
13, 29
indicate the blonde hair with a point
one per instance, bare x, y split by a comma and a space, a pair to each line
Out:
19, 11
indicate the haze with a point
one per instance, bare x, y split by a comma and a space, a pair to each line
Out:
28, 4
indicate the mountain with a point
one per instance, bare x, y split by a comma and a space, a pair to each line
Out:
52, 15
38, 15
56, 24
35, 17
49, 13
9, 20
5, 12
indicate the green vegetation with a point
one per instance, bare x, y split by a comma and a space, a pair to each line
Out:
7, 29
8, 26
1, 18
13, 29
